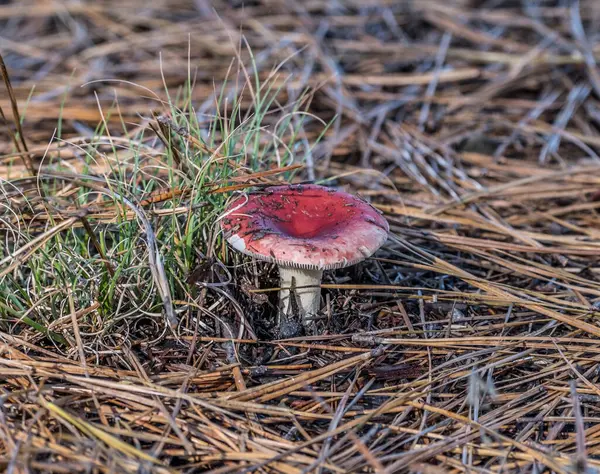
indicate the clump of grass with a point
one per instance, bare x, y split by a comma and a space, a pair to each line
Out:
142, 212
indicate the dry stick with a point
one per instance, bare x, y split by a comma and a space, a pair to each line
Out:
276, 389
446, 295
253, 176
23, 155
455, 75
581, 456
165, 137
16, 116
478, 340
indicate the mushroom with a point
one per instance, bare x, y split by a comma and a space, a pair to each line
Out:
304, 229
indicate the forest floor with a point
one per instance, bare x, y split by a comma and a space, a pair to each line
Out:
132, 339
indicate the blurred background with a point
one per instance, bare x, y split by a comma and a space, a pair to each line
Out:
464, 70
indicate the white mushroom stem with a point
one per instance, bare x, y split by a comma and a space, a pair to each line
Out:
307, 288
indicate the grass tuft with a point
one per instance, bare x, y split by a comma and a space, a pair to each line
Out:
141, 210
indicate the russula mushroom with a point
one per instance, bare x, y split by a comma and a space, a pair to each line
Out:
304, 229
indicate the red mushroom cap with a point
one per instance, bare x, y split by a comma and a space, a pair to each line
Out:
304, 226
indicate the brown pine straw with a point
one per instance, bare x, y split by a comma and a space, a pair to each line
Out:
468, 344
